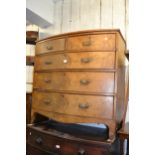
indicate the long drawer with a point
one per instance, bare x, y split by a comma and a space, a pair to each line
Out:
92, 42
50, 46
94, 60
45, 143
78, 105
75, 81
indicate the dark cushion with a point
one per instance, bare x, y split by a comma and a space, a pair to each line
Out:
87, 131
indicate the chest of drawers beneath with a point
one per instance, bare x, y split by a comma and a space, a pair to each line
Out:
45, 140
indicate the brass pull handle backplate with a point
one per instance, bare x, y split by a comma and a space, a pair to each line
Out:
47, 81
83, 106
48, 62
85, 60
84, 82
49, 47
47, 101
86, 43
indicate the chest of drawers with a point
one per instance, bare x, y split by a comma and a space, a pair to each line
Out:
53, 139
80, 78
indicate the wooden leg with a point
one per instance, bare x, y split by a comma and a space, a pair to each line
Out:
112, 132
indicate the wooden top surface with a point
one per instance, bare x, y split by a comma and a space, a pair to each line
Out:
84, 32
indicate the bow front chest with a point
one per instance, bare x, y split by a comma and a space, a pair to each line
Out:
80, 78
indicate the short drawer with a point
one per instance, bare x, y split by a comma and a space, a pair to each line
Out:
92, 42
75, 81
77, 105
50, 46
49, 144
85, 60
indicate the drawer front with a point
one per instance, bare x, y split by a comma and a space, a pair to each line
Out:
94, 60
92, 42
60, 146
50, 46
75, 81
79, 105
51, 144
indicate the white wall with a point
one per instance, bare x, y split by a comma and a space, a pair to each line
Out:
42, 8
74, 15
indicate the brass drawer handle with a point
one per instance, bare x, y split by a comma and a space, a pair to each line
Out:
85, 60
39, 140
86, 43
84, 82
49, 47
47, 102
83, 106
48, 62
47, 81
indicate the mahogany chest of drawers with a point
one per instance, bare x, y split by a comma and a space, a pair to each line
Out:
80, 78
